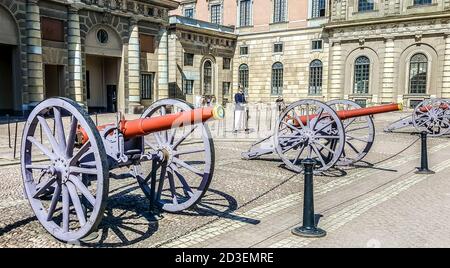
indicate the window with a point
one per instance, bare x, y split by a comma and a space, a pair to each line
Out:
422, 2
215, 14
226, 63
318, 8
315, 77
188, 86
189, 12
361, 102
277, 78
146, 85
413, 103
362, 73
52, 29
316, 45
226, 88
243, 50
244, 12
147, 43
418, 69
278, 47
102, 36
207, 77
279, 11
243, 77
365, 5
188, 59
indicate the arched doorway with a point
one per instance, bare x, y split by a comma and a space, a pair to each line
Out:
9, 43
103, 48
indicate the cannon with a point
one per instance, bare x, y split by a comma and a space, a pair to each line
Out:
169, 150
430, 115
339, 132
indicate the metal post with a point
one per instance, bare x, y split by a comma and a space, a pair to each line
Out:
40, 131
308, 228
9, 131
96, 119
270, 117
258, 118
15, 140
423, 169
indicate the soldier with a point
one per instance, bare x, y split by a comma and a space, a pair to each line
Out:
239, 109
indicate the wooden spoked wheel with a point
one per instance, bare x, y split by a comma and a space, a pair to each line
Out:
432, 116
184, 166
66, 185
309, 129
359, 133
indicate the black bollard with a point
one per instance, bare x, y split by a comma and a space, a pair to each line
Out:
423, 169
308, 228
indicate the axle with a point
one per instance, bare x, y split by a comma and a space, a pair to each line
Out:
144, 126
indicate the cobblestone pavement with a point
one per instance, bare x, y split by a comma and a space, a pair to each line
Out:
256, 203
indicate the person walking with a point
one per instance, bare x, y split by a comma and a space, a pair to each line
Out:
239, 109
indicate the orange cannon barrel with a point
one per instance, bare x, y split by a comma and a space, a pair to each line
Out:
425, 109
346, 114
144, 126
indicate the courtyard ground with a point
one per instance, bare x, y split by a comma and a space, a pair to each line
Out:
378, 203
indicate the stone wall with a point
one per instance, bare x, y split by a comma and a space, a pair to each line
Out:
296, 56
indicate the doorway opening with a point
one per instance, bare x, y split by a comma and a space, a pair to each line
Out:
53, 80
102, 75
7, 81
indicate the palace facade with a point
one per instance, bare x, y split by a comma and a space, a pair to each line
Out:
114, 55
106, 54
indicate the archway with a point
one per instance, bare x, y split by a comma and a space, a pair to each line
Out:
9, 43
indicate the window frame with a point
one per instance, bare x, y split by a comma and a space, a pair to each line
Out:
424, 81
185, 91
188, 61
316, 9
367, 6
226, 66
243, 47
243, 77
279, 11
143, 92
361, 71
247, 17
416, 2
277, 79
227, 93
217, 19
315, 77
278, 44
186, 9
205, 76
318, 41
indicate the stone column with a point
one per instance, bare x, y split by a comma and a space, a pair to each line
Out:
335, 88
446, 71
387, 85
34, 54
163, 85
74, 45
134, 55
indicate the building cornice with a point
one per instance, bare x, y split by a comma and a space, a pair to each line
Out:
385, 20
